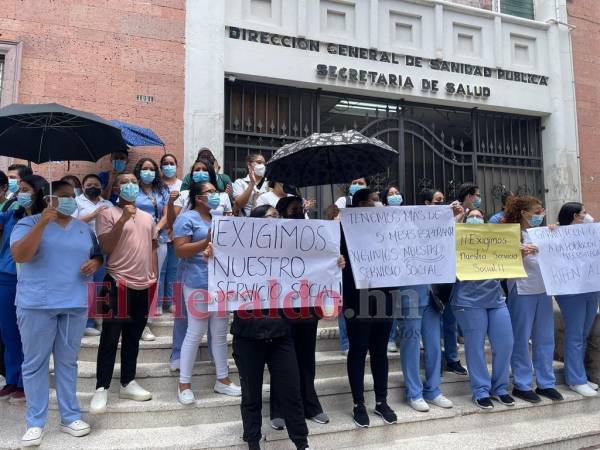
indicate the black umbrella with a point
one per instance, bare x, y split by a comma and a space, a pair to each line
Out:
51, 132
330, 158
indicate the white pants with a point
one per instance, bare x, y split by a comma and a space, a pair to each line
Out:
197, 328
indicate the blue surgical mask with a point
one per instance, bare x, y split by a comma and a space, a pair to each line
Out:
214, 200
24, 199
536, 220
169, 171
129, 191
200, 176
13, 185
477, 203
66, 206
395, 200
147, 176
354, 188
119, 165
475, 220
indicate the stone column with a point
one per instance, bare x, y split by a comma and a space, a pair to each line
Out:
204, 78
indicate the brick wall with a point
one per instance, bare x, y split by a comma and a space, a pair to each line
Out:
97, 55
585, 16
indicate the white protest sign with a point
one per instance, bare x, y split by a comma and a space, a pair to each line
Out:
400, 246
569, 258
273, 263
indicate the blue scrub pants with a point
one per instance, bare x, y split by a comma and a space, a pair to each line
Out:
45, 332
412, 329
579, 312
450, 334
13, 352
179, 330
92, 314
168, 276
532, 318
476, 324
344, 342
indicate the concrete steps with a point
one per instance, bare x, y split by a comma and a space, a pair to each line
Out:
464, 426
214, 420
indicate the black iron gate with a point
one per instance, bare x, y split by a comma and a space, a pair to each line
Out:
439, 147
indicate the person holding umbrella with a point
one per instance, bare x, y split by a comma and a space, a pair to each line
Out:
29, 201
355, 186
58, 256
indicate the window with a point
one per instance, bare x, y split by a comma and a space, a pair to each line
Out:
519, 8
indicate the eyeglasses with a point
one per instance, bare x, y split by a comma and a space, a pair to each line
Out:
206, 193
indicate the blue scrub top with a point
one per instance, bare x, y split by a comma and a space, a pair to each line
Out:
497, 218
194, 270
144, 203
7, 263
477, 294
53, 278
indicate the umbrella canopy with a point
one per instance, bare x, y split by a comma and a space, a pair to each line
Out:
330, 158
52, 132
137, 136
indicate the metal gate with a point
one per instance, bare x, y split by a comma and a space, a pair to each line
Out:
438, 147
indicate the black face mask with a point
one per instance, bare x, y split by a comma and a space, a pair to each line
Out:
92, 192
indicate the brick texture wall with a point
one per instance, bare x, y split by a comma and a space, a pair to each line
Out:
585, 16
97, 55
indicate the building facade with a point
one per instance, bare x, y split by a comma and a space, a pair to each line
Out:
465, 90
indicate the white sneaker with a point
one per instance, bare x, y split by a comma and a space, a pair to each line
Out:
78, 428
594, 386
134, 391
419, 405
186, 397
174, 365
32, 437
231, 389
91, 332
147, 335
392, 347
98, 403
441, 401
2, 381
583, 389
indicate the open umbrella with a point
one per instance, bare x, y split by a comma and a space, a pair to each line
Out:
137, 136
329, 158
51, 132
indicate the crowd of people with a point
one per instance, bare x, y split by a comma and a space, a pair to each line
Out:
139, 234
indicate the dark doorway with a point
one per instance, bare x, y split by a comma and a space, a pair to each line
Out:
438, 147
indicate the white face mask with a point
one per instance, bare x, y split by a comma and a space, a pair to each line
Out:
588, 219
259, 170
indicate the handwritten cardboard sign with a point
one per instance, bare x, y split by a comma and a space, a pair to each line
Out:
569, 258
490, 251
400, 246
273, 263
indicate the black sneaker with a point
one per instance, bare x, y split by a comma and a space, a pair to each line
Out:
550, 393
484, 403
505, 399
387, 414
456, 367
253, 446
528, 396
361, 418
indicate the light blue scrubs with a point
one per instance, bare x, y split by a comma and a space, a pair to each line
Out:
579, 312
417, 320
481, 311
52, 311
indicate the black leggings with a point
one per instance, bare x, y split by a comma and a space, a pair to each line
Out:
368, 335
278, 354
